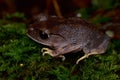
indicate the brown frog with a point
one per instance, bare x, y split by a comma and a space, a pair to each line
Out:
65, 35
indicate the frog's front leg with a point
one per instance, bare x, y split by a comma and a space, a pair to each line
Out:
86, 56
60, 50
51, 53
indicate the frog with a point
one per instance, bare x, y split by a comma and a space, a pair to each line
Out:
67, 35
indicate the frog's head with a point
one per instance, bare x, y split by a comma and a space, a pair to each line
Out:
44, 33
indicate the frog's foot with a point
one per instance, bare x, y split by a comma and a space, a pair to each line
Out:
86, 56
51, 53
63, 57
47, 51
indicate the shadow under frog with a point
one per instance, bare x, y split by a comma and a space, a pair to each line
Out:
67, 35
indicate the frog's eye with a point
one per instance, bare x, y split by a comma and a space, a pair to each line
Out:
43, 35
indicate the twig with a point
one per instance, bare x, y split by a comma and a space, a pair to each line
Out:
57, 9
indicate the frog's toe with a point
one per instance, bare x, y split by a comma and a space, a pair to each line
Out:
63, 57
81, 58
47, 51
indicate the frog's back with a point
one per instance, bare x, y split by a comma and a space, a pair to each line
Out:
79, 31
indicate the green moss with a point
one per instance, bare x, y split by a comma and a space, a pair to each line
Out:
100, 19
106, 4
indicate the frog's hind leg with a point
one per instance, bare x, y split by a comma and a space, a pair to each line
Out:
86, 56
